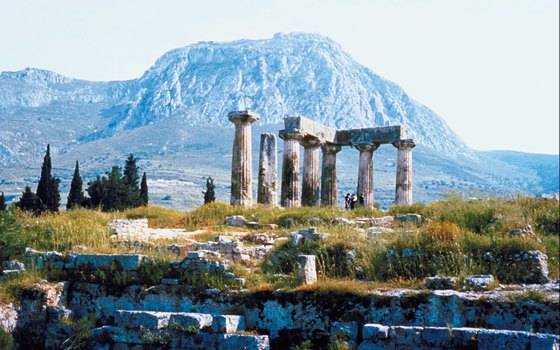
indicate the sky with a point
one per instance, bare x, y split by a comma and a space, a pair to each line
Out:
489, 68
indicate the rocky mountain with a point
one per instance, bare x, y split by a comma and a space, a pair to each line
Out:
174, 116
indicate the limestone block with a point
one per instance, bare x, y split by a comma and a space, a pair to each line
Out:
479, 281
311, 234
535, 265
306, 271
13, 265
375, 331
343, 222
240, 341
406, 335
236, 220
544, 341
384, 221
127, 261
491, 339
438, 282
377, 230
187, 319
228, 324
196, 255
132, 319
345, 330
410, 218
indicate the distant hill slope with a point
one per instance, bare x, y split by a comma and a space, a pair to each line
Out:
174, 119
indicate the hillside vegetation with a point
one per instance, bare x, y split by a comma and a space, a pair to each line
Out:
455, 238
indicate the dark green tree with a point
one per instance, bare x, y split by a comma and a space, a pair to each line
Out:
76, 195
144, 190
95, 192
28, 200
131, 173
116, 193
48, 195
3, 206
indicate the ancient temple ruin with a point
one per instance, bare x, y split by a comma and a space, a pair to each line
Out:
319, 186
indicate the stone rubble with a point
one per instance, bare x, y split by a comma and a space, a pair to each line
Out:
479, 282
441, 283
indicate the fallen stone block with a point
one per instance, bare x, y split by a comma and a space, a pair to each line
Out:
410, 218
228, 324
236, 221
13, 265
384, 221
441, 283
133, 319
378, 230
296, 238
240, 341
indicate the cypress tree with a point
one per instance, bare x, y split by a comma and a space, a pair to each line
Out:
131, 173
28, 200
76, 195
48, 195
144, 190
3, 206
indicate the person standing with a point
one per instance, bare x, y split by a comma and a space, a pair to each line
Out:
347, 200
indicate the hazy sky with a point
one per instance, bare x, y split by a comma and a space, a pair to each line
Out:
490, 68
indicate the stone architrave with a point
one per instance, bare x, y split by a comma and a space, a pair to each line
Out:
241, 167
290, 170
329, 191
306, 270
310, 195
403, 186
365, 172
267, 187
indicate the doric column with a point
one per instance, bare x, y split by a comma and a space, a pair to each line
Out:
290, 170
266, 193
365, 172
403, 186
310, 185
241, 164
329, 194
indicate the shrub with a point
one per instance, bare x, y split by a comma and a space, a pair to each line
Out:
6, 342
151, 272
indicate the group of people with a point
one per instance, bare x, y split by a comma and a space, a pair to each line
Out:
351, 200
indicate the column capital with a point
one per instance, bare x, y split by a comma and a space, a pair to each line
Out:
401, 144
289, 135
310, 142
242, 117
330, 148
367, 147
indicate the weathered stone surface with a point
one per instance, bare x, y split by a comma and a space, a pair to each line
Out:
410, 218
329, 191
403, 185
295, 238
8, 317
441, 282
479, 281
241, 160
534, 263
311, 234
133, 319
377, 230
186, 319
268, 172
375, 331
306, 271
13, 265
236, 220
198, 341
290, 195
127, 261
240, 341
228, 324
310, 195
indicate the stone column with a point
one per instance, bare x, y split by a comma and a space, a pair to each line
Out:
329, 192
310, 185
365, 172
266, 193
290, 170
403, 186
241, 164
